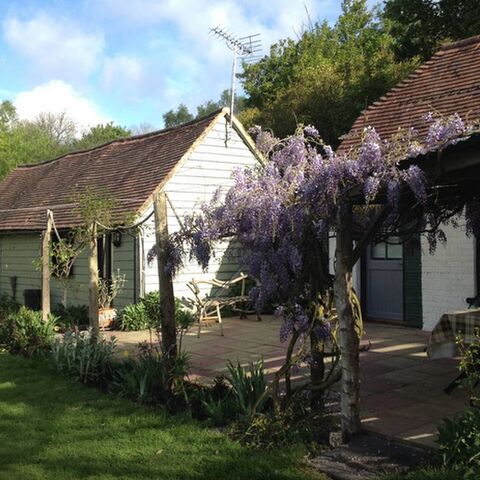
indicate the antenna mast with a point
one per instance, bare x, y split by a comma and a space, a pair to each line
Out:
248, 48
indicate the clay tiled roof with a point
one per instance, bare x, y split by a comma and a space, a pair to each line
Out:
448, 83
130, 170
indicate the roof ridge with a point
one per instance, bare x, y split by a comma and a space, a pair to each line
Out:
461, 43
127, 139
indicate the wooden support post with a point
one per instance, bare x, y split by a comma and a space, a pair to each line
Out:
349, 341
46, 239
167, 299
93, 283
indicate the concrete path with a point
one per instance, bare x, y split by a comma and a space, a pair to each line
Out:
401, 389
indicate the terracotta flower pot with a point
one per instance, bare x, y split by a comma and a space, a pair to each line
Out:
106, 318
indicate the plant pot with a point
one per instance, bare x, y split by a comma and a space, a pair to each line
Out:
106, 318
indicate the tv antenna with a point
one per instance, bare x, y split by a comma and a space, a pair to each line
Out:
247, 48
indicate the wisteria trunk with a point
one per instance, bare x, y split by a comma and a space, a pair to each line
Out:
348, 341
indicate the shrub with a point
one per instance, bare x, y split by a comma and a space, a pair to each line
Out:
85, 356
25, 332
8, 305
146, 378
151, 302
298, 423
147, 314
133, 318
248, 386
72, 316
470, 366
459, 442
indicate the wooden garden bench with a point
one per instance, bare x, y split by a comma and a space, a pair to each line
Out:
209, 307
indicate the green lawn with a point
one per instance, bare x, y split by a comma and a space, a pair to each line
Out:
52, 428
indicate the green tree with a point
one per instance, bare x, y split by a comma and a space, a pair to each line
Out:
421, 26
326, 78
172, 118
46, 137
8, 115
100, 134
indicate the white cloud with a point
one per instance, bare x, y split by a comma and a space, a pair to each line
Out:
55, 47
183, 55
122, 72
57, 96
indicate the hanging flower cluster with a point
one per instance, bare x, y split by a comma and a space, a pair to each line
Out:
279, 212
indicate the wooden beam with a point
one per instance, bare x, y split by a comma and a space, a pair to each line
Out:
46, 239
93, 280
167, 299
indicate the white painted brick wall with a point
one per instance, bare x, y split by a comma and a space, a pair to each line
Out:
356, 272
448, 276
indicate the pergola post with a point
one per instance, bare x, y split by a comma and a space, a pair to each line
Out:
167, 299
46, 239
93, 283
348, 341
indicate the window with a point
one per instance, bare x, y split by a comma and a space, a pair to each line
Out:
391, 249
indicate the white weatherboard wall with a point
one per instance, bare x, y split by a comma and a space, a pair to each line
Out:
209, 167
448, 276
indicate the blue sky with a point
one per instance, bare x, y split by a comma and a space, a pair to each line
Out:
129, 61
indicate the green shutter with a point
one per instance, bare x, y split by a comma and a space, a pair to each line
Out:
413, 282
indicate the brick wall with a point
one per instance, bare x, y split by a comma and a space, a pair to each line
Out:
448, 276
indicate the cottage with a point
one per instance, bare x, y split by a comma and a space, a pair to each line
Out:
404, 283
189, 162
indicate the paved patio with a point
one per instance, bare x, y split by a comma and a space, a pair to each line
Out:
402, 390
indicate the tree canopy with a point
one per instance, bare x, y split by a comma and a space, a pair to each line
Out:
419, 27
326, 78
46, 137
182, 114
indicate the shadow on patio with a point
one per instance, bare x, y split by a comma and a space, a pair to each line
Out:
401, 389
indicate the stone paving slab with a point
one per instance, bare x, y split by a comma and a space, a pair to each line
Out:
401, 389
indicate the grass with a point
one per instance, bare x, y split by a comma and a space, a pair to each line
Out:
52, 428
427, 474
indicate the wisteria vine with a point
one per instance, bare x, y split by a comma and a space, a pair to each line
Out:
281, 213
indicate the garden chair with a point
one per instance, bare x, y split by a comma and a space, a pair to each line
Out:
209, 307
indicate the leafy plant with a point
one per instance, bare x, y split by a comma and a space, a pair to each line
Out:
8, 305
71, 316
220, 412
470, 366
85, 356
146, 377
248, 386
459, 442
25, 332
298, 423
109, 289
133, 318
151, 302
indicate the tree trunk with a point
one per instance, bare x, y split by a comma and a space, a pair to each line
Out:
167, 299
93, 284
47, 237
348, 342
